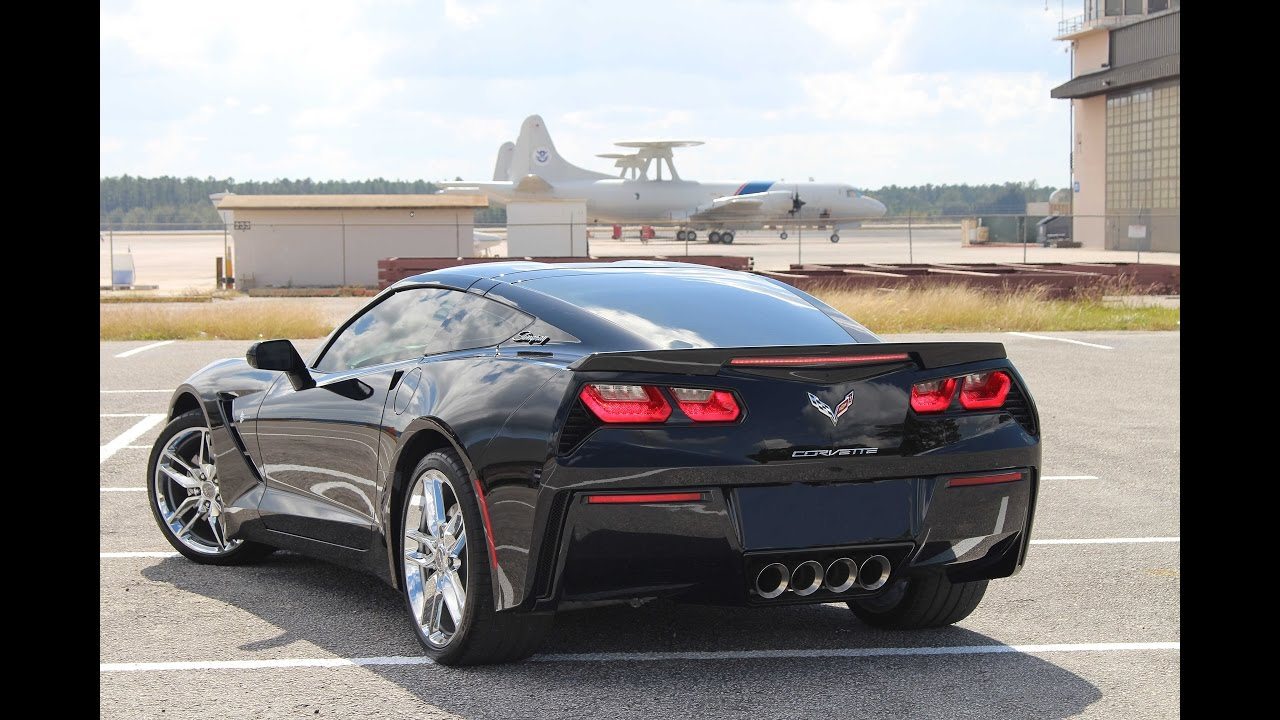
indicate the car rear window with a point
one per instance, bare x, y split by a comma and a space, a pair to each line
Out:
688, 309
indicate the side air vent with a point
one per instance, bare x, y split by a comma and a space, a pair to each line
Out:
577, 426
550, 543
1017, 406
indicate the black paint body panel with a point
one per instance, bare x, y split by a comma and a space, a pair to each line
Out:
320, 471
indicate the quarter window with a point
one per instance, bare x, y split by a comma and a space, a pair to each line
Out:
420, 321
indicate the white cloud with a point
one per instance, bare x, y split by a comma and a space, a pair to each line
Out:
868, 32
956, 98
867, 92
467, 14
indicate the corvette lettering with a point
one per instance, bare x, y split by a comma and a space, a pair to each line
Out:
836, 452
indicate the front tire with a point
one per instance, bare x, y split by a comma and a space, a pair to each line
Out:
445, 575
186, 500
920, 602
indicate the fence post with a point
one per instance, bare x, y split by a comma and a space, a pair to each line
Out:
226, 252
111, 261
911, 253
1022, 235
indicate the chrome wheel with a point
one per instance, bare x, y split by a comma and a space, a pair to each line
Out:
187, 493
435, 557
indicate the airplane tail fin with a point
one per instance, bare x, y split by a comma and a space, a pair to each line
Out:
535, 154
502, 168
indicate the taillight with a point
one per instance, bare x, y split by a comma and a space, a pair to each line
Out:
625, 403
706, 405
984, 391
932, 396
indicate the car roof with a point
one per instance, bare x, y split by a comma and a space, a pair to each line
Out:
464, 276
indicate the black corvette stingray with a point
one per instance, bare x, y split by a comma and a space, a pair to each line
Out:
499, 441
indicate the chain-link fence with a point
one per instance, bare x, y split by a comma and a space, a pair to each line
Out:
283, 253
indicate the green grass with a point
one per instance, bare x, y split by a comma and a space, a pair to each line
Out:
957, 308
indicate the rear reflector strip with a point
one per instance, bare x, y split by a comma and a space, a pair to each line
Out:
678, 497
984, 479
819, 359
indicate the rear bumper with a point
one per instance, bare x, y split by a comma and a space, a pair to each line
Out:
710, 550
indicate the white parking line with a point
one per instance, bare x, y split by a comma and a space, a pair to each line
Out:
102, 415
1065, 340
1069, 477
144, 348
1108, 541
128, 436
137, 554
656, 656
130, 392
141, 489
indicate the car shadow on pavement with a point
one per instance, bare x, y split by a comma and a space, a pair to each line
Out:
346, 613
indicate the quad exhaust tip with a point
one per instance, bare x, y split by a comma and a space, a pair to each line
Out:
809, 576
874, 573
841, 575
806, 578
772, 580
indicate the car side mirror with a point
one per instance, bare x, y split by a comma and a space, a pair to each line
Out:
280, 355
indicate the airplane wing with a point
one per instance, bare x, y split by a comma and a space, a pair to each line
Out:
738, 207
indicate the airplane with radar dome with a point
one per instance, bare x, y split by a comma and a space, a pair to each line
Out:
530, 168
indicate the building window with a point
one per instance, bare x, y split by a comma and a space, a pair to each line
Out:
1154, 6
1142, 145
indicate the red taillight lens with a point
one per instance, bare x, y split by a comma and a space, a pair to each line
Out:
707, 405
933, 396
625, 403
644, 498
984, 479
984, 391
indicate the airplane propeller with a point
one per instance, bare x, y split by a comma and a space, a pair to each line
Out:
796, 203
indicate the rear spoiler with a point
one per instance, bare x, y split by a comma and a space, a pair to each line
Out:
709, 361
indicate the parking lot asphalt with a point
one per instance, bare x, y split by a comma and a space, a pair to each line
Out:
1087, 628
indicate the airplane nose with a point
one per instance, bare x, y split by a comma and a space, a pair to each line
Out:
875, 207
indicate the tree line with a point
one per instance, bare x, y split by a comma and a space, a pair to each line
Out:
131, 201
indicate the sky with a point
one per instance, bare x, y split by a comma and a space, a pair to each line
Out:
870, 93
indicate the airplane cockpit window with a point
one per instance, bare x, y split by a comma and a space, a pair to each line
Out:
850, 192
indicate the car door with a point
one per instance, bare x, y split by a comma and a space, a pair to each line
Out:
319, 446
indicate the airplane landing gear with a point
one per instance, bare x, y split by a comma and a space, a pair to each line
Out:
835, 237
713, 236
782, 235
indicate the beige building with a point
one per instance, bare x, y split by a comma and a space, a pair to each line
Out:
546, 228
1125, 110
333, 240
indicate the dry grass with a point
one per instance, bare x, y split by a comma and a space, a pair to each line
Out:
956, 308
930, 309
236, 320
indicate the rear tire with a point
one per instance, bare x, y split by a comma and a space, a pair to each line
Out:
727, 238
484, 636
713, 236
920, 602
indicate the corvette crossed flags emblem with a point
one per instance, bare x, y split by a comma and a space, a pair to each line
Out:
825, 409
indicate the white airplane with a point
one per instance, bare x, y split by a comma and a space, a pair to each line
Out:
531, 168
